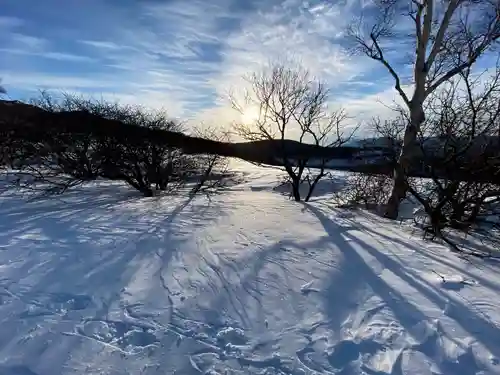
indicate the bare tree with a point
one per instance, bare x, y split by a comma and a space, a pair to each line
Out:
324, 129
69, 153
213, 169
104, 140
460, 136
370, 189
447, 38
292, 104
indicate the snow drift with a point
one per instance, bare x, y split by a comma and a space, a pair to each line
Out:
102, 281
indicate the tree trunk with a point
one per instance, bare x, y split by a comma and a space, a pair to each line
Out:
398, 193
476, 209
313, 185
400, 188
295, 178
296, 190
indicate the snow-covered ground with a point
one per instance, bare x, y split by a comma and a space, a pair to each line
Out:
101, 281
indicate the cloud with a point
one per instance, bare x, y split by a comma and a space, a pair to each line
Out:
28, 42
185, 56
295, 30
173, 52
306, 32
102, 45
192, 51
43, 80
17, 44
61, 56
10, 22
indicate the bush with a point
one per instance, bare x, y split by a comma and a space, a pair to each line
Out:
364, 190
66, 155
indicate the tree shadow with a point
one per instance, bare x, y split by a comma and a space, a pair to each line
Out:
481, 241
440, 256
257, 293
68, 259
406, 312
427, 250
230, 299
430, 251
327, 186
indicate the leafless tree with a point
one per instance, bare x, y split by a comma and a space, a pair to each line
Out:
213, 169
460, 136
292, 104
370, 189
324, 128
446, 38
68, 153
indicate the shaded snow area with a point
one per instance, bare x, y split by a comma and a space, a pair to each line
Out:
101, 281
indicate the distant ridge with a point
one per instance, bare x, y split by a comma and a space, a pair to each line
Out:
372, 155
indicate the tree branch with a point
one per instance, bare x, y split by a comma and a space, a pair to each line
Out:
453, 5
391, 70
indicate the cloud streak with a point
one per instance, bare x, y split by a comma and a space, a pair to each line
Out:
181, 55
190, 53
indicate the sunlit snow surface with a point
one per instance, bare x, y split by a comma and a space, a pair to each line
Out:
101, 281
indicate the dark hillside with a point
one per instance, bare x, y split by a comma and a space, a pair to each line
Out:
27, 122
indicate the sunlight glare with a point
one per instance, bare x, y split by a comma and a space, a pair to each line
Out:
249, 116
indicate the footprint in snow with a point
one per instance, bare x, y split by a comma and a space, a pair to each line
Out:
231, 335
122, 336
308, 288
56, 303
456, 283
347, 351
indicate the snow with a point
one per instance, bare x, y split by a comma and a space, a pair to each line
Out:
102, 281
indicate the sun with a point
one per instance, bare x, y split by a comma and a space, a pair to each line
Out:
249, 116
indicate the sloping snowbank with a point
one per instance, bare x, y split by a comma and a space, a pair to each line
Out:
102, 281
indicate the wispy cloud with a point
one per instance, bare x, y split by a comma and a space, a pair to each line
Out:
27, 42
293, 29
56, 81
102, 45
47, 54
189, 52
184, 55
192, 51
310, 33
10, 22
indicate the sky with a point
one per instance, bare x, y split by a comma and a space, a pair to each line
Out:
184, 56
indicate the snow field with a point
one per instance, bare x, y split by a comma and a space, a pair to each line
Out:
102, 281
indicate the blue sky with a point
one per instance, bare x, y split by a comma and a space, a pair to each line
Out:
180, 55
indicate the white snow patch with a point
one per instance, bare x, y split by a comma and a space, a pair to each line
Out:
103, 281
308, 287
